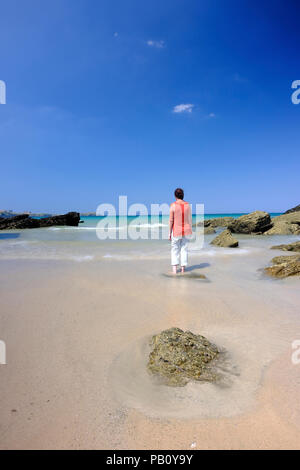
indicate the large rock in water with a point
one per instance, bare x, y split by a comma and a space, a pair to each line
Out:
218, 222
255, 222
285, 224
225, 239
284, 266
289, 247
214, 223
24, 221
178, 357
71, 219
209, 230
18, 222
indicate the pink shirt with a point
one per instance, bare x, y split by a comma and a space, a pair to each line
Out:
181, 218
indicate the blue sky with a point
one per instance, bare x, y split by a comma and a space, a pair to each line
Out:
92, 90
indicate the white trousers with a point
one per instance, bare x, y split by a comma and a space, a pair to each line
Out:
179, 251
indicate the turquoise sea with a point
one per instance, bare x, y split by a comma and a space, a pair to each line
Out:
100, 238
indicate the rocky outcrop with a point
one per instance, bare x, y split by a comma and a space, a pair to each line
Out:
289, 247
18, 222
283, 228
225, 239
71, 218
218, 222
294, 209
255, 222
214, 223
209, 230
24, 221
178, 356
284, 266
285, 224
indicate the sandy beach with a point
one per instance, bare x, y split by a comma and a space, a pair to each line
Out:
76, 333
149, 227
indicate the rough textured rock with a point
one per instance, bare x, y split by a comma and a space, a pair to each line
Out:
18, 222
24, 221
71, 218
218, 222
225, 239
178, 357
284, 266
283, 228
209, 230
289, 247
294, 209
285, 224
254, 222
214, 223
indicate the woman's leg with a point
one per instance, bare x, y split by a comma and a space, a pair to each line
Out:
175, 253
183, 253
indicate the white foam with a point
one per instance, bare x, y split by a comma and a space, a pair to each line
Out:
81, 259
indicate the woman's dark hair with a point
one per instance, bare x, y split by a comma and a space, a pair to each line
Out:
179, 193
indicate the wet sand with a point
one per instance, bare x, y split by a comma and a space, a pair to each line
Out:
76, 336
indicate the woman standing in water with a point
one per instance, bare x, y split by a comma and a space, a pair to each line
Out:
180, 228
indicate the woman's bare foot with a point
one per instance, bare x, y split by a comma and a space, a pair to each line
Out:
182, 269
174, 269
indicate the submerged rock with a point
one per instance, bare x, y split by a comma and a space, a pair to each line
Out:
24, 221
186, 275
284, 266
225, 239
255, 222
289, 247
178, 357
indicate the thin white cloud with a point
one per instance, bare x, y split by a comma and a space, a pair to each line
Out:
183, 108
116, 34
157, 44
211, 115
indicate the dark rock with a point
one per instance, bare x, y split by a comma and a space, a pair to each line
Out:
18, 222
289, 247
225, 239
294, 209
178, 357
254, 222
284, 266
71, 218
24, 221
